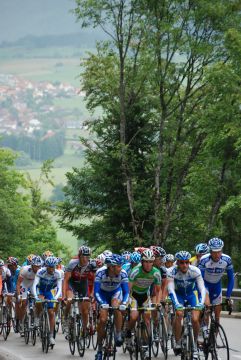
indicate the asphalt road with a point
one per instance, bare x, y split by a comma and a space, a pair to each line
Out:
15, 349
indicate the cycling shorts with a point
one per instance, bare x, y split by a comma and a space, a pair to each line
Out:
81, 287
191, 299
49, 296
138, 300
108, 296
215, 293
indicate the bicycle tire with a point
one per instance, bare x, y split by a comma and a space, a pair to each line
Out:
109, 347
71, 336
221, 343
26, 329
80, 340
164, 338
145, 345
154, 342
5, 329
45, 334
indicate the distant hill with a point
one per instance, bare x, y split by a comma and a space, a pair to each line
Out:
81, 39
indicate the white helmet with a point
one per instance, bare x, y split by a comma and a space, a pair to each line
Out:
148, 255
101, 257
107, 253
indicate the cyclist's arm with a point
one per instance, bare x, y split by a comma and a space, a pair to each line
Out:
230, 286
158, 293
35, 284
20, 280
59, 287
97, 292
125, 292
201, 288
67, 276
172, 292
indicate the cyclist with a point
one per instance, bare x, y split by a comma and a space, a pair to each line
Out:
4, 275
28, 260
200, 250
183, 279
126, 256
46, 280
111, 289
100, 260
142, 277
135, 259
159, 263
46, 254
213, 266
79, 278
169, 260
24, 284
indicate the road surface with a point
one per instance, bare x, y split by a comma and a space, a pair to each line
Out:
15, 349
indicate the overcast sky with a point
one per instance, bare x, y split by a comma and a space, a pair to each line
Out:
19, 18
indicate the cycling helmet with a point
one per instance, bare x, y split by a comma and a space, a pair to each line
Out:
84, 250
183, 255
29, 259
114, 259
1, 263
46, 254
135, 257
140, 249
12, 261
101, 258
51, 261
147, 255
107, 253
202, 248
216, 244
126, 256
59, 260
37, 261
169, 257
158, 251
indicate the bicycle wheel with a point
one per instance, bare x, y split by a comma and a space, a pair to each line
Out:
5, 324
26, 329
45, 334
145, 343
93, 327
221, 343
154, 339
163, 337
80, 340
71, 335
109, 345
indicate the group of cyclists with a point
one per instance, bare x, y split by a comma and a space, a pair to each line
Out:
130, 280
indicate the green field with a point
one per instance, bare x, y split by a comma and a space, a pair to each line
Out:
53, 64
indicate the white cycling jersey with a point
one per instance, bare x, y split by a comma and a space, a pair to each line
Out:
47, 282
5, 273
28, 276
213, 270
185, 283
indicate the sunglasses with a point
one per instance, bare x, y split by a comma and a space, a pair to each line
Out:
149, 261
183, 262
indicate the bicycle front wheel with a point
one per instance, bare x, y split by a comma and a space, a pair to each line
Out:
80, 340
145, 343
221, 343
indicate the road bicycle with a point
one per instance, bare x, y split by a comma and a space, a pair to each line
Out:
30, 331
45, 325
215, 343
91, 336
76, 335
5, 318
159, 331
141, 341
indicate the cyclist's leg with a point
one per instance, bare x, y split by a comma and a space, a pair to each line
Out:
193, 300
177, 321
21, 305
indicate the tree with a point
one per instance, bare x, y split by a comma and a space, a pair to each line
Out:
155, 82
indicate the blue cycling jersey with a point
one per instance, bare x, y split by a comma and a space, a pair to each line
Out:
212, 271
106, 284
184, 284
127, 267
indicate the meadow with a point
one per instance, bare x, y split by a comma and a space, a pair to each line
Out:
53, 64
